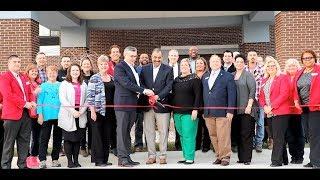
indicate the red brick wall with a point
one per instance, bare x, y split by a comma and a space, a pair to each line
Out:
296, 31
20, 37
147, 40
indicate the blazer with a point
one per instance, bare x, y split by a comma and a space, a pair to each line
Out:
279, 95
293, 109
246, 89
314, 98
96, 94
126, 87
231, 69
67, 98
162, 85
12, 95
222, 94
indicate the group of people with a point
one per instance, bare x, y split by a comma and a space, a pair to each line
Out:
226, 102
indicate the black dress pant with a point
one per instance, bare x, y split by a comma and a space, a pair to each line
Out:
101, 131
20, 131
314, 134
83, 142
203, 138
113, 137
35, 132
45, 137
235, 131
246, 133
295, 138
139, 130
279, 129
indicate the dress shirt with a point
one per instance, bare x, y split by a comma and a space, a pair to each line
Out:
213, 77
175, 70
155, 72
20, 84
136, 76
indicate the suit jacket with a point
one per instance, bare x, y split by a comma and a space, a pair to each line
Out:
231, 69
314, 98
126, 87
222, 94
162, 85
12, 95
279, 95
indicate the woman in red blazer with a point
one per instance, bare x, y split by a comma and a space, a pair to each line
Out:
294, 135
1, 128
274, 97
307, 93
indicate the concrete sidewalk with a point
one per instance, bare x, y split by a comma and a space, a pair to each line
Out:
202, 161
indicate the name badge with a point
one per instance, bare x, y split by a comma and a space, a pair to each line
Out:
314, 74
28, 83
206, 78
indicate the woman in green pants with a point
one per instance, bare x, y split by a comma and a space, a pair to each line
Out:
187, 94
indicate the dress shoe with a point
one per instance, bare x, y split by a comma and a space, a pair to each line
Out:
151, 161
309, 165
247, 163
205, 149
71, 165
114, 152
239, 161
125, 164
225, 163
133, 162
285, 163
294, 161
217, 161
275, 165
100, 164
77, 164
188, 162
182, 161
163, 161
108, 163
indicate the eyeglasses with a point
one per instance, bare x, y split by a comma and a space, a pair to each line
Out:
271, 66
307, 58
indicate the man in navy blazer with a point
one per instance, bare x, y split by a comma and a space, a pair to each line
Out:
219, 90
159, 78
127, 90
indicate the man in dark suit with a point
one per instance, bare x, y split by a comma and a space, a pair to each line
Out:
17, 99
219, 91
158, 77
127, 90
228, 66
228, 62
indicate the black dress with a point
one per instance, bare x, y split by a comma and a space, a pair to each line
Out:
74, 136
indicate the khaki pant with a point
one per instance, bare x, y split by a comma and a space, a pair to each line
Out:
161, 120
220, 136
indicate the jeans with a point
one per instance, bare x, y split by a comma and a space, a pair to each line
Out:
258, 139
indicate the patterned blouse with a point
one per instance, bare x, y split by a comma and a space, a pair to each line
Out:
266, 90
96, 94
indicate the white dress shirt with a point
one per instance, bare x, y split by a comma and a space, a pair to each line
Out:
155, 72
136, 76
20, 84
213, 77
193, 65
175, 70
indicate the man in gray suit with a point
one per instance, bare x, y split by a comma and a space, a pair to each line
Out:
127, 90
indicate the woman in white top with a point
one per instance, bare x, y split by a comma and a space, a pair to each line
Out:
73, 115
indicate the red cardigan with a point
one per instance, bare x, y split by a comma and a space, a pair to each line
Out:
314, 98
279, 95
12, 95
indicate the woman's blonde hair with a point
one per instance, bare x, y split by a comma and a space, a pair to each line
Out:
290, 62
102, 58
268, 60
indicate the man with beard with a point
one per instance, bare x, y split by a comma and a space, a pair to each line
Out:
138, 144
193, 56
